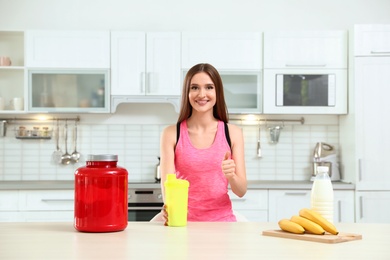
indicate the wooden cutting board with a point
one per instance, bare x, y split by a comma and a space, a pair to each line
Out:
327, 238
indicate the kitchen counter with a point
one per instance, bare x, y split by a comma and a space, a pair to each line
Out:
152, 240
63, 185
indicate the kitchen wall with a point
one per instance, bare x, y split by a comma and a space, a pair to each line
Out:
133, 131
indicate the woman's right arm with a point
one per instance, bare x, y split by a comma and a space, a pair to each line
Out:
167, 154
167, 160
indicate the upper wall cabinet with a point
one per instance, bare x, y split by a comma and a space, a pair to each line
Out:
68, 49
372, 40
305, 49
11, 71
225, 51
145, 67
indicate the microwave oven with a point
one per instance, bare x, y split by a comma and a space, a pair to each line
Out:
305, 91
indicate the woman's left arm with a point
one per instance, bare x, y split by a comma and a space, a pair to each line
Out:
234, 168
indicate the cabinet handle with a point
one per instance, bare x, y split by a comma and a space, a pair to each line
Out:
360, 169
339, 209
142, 85
305, 65
149, 82
295, 193
56, 200
361, 206
380, 52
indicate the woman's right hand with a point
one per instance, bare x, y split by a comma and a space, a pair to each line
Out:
164, 213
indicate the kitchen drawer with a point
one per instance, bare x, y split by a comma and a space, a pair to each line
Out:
9, 200
36, 200
253, 199
255, 215
11, 216
48, 216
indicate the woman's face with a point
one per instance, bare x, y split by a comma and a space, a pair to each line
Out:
202, 95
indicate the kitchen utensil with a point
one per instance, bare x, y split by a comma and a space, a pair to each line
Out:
327, 238
3, 128
258, 144
325, 155
57, 154
274, 132
75, 155
158, 173
66, 157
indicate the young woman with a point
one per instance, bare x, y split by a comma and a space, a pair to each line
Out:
203, 149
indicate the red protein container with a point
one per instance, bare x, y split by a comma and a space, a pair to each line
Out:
100, 195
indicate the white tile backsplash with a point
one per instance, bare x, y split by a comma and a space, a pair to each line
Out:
137, 147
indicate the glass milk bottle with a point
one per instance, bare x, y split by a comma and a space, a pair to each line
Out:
322, 194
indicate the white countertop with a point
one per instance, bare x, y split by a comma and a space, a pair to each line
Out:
55, 185
152, 240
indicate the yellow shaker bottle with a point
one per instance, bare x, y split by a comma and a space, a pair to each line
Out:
176, 200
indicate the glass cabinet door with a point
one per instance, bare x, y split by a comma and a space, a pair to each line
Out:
69, 91
242, 92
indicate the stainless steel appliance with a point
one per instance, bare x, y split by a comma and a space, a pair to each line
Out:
325, 155
306, 91
144, 201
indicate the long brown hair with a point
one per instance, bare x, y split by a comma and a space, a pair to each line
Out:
220, 111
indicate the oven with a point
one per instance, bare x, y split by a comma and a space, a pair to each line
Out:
144, 202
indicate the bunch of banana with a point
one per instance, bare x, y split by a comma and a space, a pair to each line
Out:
308, 221
319, 219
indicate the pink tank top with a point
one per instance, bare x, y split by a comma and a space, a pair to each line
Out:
208, 198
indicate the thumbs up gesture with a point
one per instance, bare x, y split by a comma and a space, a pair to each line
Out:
228, 166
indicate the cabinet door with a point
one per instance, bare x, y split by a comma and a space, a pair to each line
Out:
344, 207
9, 200
145, 64
305, 49
47, 200
373, 207
371, 40
225, 51
254, 205
372, 109
128, 63
68, 49
163, 54
286, 203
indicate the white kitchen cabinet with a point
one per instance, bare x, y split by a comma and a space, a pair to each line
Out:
372, 206
47, 205
305, 49
372, 75
286, 203
372, 40
145, 64
78, 91
9, 206
344, 206
254, 205
223, 50
67, 49
145, 67
12, 77
238, 58
9, 200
